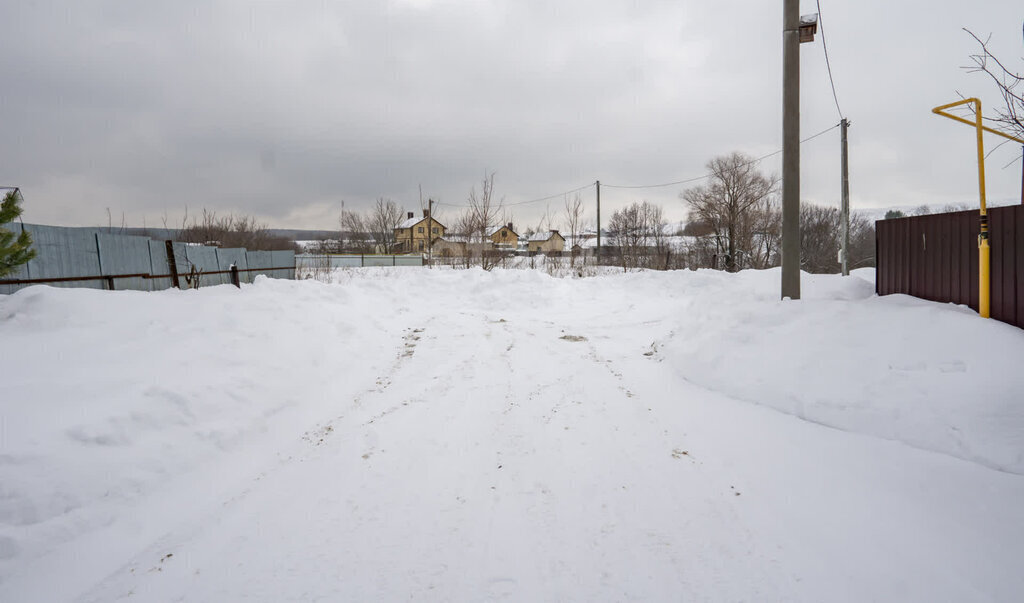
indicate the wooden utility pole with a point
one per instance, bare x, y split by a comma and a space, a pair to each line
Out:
598, 184
791, 150
845, 166
430, 234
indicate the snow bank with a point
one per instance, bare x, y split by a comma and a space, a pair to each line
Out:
107, 395
129, 416
927, 374
931, 375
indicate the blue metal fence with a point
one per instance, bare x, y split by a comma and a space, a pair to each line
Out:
92, 258
308, 261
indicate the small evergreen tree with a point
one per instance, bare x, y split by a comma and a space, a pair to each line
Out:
894, 213
13, 252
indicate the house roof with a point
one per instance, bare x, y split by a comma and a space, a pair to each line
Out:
410, 222
503, 226
453, 238
541, 237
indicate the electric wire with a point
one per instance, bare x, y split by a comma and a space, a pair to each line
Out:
624, 186
538, 200
697, 178
828, 64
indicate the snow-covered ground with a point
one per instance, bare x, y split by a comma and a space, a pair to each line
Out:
460, 435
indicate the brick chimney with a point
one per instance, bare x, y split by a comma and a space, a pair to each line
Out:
510, 227
426, 213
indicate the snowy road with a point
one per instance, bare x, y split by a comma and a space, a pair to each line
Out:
479, 448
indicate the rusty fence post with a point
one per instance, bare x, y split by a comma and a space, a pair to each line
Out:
172, 264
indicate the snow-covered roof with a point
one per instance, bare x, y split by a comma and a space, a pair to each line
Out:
540, 237
413, 221
498, 229
454, 238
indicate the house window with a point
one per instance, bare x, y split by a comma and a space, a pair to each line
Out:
504, 234
420, 229
434, 230
421, 245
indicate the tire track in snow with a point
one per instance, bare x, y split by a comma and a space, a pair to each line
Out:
496, 450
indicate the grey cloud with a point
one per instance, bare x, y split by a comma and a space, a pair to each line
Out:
285, 109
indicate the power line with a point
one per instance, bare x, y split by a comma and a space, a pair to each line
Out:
688, 180
828, 65
538, 200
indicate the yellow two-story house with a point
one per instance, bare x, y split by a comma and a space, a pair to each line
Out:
505, 238
415, 234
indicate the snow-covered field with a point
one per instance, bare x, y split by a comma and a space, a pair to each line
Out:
413, 434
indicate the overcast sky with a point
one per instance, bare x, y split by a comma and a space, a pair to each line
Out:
284, 110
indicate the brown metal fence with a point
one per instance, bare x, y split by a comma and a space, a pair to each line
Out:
935, 257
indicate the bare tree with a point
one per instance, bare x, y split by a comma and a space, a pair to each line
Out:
820, 231
626, 234
1011, 115
658, 252
480, 217
573, 219
638, 235
231, 231
862, 241
385, 216
765, 234
355, 232
725, 203
819, 238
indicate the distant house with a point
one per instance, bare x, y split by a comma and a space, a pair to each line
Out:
505, 238
546, 242
415, 234
450, 246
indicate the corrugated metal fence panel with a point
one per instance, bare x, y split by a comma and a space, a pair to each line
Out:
346, 261
124, 254
936, 257
259, 259
158, 265
409, 260
204, 259
64, 252
380, 260
20, 272
1005, 270
311, 261
236, 255
284, 259
1018, 219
